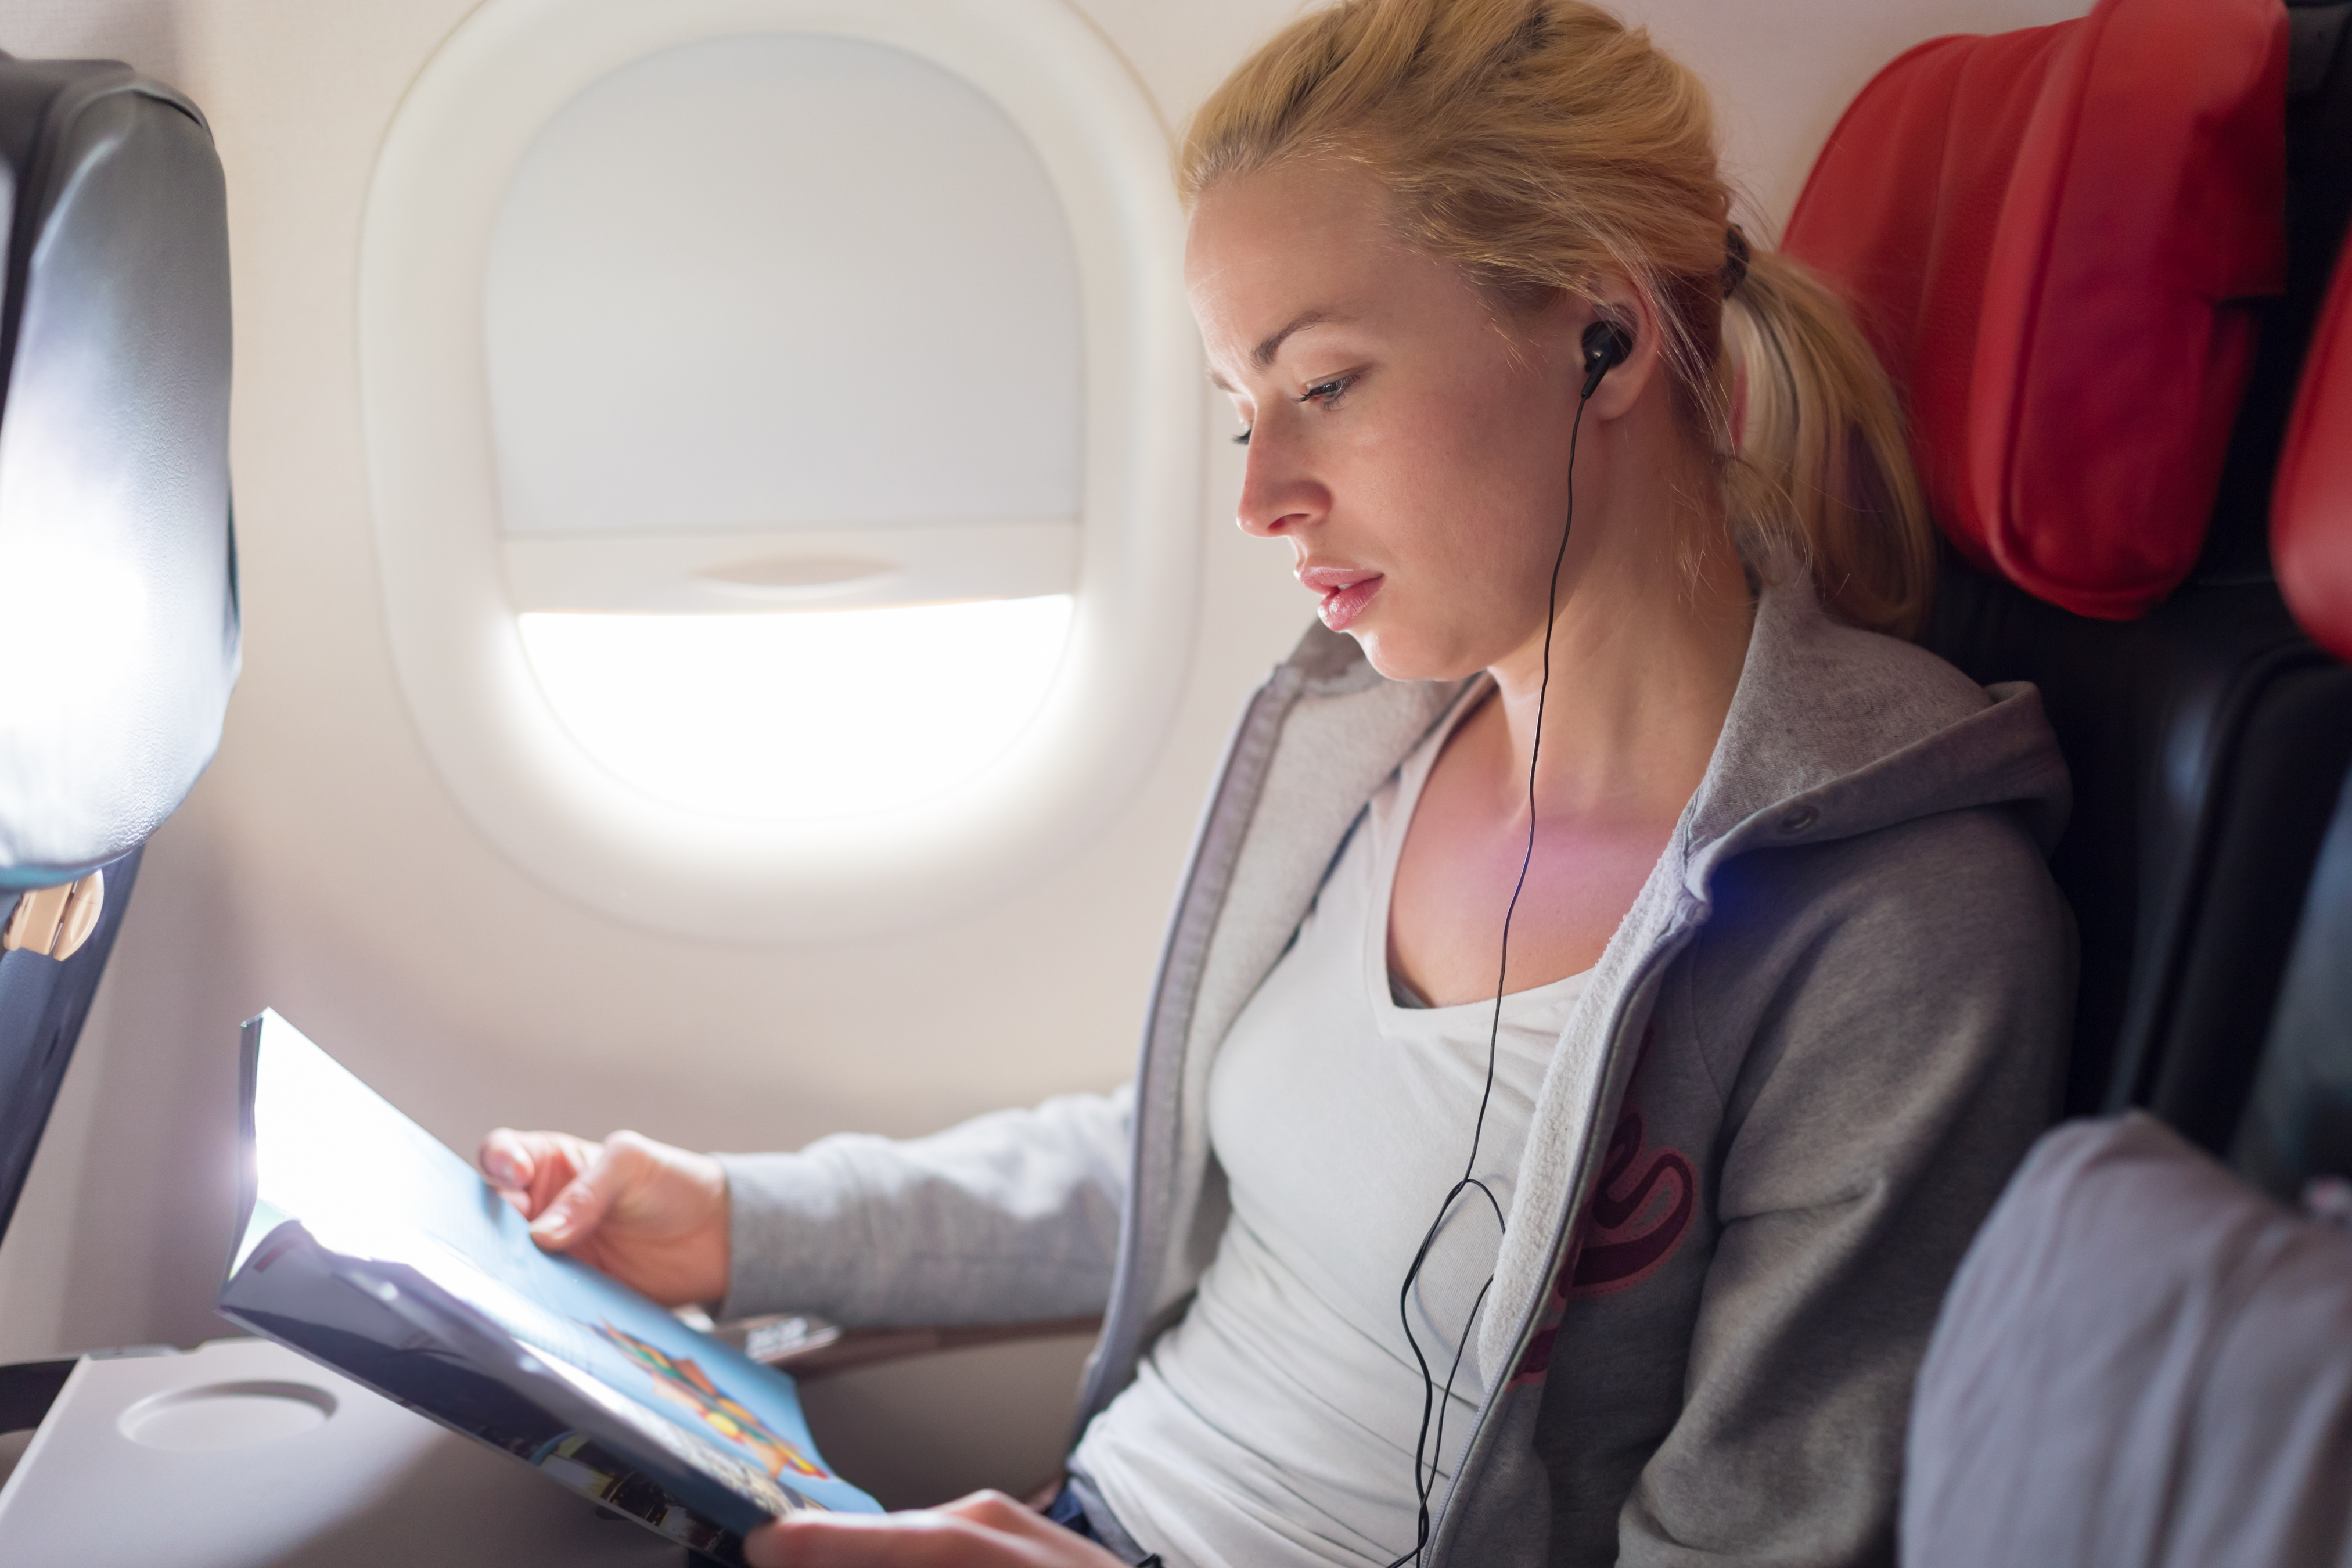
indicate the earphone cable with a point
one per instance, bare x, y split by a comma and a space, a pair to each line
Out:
1426, 1455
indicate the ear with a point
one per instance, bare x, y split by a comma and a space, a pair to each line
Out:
1615, 300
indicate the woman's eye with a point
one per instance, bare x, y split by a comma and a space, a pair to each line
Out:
1326, 393
1329, 392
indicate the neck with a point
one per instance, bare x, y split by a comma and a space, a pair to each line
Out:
1645, 654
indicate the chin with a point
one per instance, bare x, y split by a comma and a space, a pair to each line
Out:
1403, 657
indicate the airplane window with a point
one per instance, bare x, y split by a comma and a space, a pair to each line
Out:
785, 427
782, 333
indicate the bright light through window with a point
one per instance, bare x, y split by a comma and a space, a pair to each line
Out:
803, 715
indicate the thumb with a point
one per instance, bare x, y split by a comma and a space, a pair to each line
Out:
575, 1212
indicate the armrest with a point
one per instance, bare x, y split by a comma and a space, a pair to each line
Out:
811, 1348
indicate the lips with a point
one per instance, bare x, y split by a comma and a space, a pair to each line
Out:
1345, 591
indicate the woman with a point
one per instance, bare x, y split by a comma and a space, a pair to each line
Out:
1783, 987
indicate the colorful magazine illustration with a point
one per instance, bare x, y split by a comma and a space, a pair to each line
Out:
368, 1245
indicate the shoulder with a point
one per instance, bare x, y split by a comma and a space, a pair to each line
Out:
1842, 695
1910, 902
1865, 1004
1855, 731
1941, 936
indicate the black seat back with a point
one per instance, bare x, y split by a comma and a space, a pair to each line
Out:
2206, 742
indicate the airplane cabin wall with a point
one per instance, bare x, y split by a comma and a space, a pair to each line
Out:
322, 868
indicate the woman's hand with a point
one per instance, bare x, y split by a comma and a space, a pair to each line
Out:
986, 1530
652, 1217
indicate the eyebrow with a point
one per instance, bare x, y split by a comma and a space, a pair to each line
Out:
1263, 355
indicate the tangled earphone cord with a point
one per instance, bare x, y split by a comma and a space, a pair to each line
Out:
1426, 1452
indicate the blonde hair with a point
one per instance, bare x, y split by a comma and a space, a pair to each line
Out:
1538, 145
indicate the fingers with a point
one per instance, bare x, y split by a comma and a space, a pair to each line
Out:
986, 1530
868, 1541
506, 1163
530, 1168
580, 1206
996, 1510
505, 1158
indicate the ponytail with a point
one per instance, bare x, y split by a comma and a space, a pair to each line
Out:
1539, 145
1821, 473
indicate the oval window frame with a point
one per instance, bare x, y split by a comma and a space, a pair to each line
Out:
437, 192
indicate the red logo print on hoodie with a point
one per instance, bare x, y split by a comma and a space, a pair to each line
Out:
1641, 1209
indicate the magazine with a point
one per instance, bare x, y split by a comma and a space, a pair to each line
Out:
368, 1246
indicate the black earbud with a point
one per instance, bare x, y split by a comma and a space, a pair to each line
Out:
1606, 344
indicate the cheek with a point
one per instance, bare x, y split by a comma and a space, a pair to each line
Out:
1464, 592
1468, 493
1485, 437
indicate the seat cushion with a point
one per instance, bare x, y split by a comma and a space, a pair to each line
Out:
2043, 232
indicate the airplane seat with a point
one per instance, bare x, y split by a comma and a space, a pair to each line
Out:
2143, 1359
2295, 1140
2087, 255
118, 572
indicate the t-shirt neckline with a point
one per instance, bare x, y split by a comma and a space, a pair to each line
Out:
1388, 821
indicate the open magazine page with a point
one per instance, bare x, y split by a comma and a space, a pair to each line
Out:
367, 1239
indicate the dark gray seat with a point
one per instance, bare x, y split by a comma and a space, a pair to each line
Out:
2142, 1364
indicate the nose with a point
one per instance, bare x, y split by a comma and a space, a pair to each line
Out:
1279, 494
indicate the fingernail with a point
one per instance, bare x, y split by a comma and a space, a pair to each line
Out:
502, 1169
551, 1225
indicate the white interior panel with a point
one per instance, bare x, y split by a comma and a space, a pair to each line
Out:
782, 280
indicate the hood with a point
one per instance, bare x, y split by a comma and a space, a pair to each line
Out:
1835, 731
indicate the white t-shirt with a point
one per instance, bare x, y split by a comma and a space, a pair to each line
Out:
1273, 1425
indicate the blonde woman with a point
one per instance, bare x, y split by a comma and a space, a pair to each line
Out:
1635, 1263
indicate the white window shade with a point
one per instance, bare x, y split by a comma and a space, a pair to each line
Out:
773, 320
866, 316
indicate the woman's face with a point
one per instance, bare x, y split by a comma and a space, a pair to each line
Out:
1412, 448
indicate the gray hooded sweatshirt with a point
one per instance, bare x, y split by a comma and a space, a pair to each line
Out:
1824, 1036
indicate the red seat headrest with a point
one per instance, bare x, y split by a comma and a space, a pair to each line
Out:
2043, 232
2310, 499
